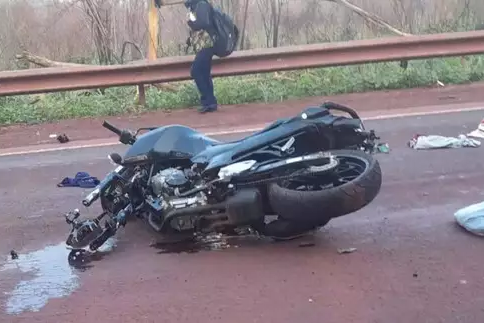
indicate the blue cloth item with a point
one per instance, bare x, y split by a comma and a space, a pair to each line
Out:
82, 179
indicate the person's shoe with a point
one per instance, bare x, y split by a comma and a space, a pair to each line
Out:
210, 108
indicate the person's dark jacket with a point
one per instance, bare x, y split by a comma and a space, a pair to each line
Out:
202, 29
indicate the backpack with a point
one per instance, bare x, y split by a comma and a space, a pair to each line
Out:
227, 33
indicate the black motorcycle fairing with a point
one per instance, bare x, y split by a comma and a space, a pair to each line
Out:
310, 113
181, 142
173, 141
224, 154
308, 121
176, 140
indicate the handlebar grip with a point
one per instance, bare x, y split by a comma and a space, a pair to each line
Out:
112, 128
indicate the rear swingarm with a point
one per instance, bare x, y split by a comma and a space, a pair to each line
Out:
308, 165
266, 171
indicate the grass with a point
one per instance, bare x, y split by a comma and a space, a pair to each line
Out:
236, 90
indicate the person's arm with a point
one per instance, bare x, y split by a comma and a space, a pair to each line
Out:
203, 20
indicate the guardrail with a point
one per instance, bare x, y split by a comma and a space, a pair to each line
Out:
244, 62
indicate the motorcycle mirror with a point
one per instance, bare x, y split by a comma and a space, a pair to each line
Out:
115, 158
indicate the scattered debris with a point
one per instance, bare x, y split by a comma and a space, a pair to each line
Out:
346, 250
447, 97
310, 300
383, 148
62, 138
435, 142
82, 179
479, 132
471, 218
192, 244
14, 254
306, 244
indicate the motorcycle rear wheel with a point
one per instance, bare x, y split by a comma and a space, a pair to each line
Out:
354, 183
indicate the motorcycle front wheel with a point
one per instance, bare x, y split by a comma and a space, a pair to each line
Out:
354, 183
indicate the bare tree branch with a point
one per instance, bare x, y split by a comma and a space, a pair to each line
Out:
370, 17
123, 51
42, 61
45, 62
244, 24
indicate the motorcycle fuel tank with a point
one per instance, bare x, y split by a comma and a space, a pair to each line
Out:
174, 140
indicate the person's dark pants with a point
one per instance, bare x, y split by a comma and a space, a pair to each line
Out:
201, 74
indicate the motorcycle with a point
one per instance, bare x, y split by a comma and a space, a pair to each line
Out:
305, 170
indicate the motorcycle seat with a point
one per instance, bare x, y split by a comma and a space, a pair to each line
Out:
347, 122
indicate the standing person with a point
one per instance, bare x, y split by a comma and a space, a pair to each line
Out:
211, 33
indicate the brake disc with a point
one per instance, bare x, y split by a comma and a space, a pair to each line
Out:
78, 257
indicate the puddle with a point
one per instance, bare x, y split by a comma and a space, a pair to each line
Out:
50, 277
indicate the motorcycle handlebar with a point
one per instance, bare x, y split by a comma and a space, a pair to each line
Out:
112, 128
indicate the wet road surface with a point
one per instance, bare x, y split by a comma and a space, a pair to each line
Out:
412, 263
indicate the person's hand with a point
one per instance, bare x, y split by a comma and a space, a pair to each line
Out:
191, 16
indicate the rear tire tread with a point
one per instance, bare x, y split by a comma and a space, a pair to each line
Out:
321, 206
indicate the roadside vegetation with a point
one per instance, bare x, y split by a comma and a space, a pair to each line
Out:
252, 88
105, 32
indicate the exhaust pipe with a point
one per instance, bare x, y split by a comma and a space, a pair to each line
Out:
151, 221
173, 214
240, 209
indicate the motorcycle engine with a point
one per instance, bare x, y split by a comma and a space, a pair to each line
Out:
165, 185
167, 180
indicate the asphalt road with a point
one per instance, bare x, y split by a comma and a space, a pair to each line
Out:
412, 263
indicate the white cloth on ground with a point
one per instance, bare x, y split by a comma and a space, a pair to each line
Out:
479, 132
435, 142
471, 218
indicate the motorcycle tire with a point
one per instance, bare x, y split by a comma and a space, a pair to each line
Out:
319, 206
